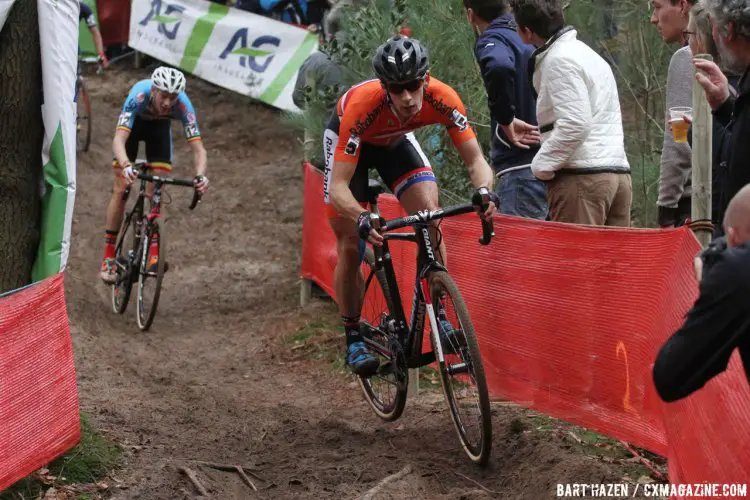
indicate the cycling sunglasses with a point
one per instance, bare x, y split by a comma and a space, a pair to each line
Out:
398, 88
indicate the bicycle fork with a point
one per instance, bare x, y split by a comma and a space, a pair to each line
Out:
433, 319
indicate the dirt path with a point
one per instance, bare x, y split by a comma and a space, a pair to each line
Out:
216, 379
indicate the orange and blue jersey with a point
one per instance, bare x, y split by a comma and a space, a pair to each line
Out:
138, 103
366, 116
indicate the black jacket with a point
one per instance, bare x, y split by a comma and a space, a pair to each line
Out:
719, 160
735, 114
718, 323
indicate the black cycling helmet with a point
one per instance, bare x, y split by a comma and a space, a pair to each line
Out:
401, 59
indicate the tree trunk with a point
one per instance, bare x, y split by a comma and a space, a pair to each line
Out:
21, 136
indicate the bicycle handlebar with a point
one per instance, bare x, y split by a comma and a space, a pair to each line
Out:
176, 182
425, 216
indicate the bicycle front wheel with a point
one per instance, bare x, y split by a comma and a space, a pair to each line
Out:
83, 118
461, 371
125, 249
386, 390
150, 279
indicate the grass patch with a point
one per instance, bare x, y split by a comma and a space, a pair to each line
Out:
429, 378
320, 338
313, 328
87, 463
591, 443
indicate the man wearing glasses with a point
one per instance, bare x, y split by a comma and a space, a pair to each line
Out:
671, 19
373, 127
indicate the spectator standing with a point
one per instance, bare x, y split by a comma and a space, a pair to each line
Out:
288, 11
503, 61
582, 156
731, 31
319, 73
671, 19
701, 41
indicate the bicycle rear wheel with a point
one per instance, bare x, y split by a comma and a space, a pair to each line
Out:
125, 249
462, 372
83, 118
148, 299
386, 390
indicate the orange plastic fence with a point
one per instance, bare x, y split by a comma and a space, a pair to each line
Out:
569, 321
39, 417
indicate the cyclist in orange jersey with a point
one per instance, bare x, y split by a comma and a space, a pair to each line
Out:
373, 127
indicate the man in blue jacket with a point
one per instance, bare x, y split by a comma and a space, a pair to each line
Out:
503, 60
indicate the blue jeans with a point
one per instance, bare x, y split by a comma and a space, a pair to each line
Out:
522, 194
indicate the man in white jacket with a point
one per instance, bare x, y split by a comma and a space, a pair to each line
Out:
582, 156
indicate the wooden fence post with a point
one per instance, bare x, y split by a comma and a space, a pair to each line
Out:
305, 290
702, 160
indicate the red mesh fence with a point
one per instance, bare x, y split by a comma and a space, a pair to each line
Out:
570, 320
39, 417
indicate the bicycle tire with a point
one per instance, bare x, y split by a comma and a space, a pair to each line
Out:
83, 93
145, 320
480, 452
387, 412
123, 278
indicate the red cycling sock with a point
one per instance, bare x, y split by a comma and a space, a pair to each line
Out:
110, 238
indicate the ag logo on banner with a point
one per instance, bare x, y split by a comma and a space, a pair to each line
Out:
237, 46
164, 14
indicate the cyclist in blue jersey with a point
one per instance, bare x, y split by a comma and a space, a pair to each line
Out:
87, 15
147, 116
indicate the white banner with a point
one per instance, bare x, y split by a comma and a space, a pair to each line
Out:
58, 28
247, 53
4, 9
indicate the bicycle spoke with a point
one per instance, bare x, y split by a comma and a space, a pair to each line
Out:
462, 373
385, 391
150, 280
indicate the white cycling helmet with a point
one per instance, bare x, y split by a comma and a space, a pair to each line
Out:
168, 79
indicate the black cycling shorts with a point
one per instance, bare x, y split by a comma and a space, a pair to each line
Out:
400, 165
157, 134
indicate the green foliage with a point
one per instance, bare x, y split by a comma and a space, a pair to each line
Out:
619, 31
88, 462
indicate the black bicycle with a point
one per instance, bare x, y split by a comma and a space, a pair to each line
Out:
398, 343
83, 114
140, 233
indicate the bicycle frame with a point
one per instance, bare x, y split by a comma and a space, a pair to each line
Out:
138, 210
411, 338
137, 219
158, 181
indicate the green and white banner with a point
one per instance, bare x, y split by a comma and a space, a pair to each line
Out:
58, 26
247, 53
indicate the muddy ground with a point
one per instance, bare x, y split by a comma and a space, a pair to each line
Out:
217, 378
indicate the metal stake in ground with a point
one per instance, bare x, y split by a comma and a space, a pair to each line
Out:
701, 162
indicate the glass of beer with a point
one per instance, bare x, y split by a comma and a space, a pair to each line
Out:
679, 126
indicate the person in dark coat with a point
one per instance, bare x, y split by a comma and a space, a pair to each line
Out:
503, 61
